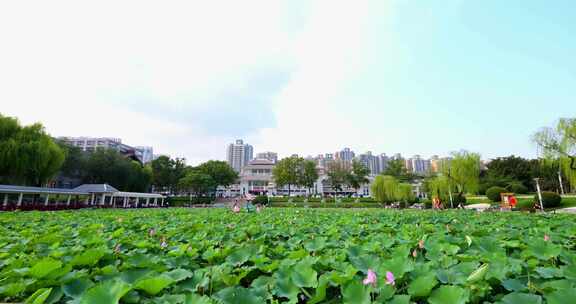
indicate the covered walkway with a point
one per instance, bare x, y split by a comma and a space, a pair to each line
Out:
85, 196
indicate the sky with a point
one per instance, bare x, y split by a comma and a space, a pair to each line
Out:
307, 77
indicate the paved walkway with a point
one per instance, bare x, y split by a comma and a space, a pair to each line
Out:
567, 210
480, 207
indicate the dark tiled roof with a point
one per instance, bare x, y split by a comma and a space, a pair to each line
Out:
96, 188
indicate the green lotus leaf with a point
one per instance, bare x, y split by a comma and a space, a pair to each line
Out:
422, 286
239, 295
567, 295
44, 267
75, 288
400, 299
108, 292
356, 293
524, 298
241, 255
514, 285
449, 295
179, 274
303, 275
193, 298
39, 297
88, 258
155, 285
316, 244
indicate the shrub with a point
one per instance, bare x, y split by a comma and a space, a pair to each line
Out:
260, 199
550, 199
517, 188
493, 193
427, 203
181, 201
459, 198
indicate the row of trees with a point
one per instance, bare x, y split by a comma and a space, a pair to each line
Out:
295, 171
31, 157
105, 166
205, 178
341, 174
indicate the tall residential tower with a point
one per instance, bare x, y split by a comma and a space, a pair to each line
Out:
239, 154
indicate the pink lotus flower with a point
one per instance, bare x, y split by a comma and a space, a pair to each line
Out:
390, 280
236, 209
546, 238
414, 253
370, 278
151, 232
421, 244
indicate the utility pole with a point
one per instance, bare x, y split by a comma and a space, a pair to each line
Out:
450, 189
539, 193
560, 180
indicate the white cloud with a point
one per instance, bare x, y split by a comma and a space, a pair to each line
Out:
82, 67
330, 53
95, 68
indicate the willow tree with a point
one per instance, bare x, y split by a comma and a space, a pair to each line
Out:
28, 155
385, 189
560, 143
463, 172
439, 187
404, 193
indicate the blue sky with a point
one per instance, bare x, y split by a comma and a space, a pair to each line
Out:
188, 77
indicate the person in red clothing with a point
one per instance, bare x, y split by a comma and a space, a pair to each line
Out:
512, 201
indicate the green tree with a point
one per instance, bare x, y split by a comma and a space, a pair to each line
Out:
196, 182
167, 172
385, 189
560, 143
463, 172
309, 174
220, 172
288, 171
75, 163
439, 186
338, 175
510, 169
111, 167
396, 168
358, 175
28, 155
405, 194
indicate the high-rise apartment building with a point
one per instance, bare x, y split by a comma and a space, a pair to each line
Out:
346, 155
383, 160
418, 165
239, 154
371, 162
271, 156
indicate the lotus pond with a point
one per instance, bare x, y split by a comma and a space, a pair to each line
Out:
286, 256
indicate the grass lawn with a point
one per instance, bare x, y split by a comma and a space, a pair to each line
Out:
287, 256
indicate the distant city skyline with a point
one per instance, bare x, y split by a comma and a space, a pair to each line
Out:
290, 76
